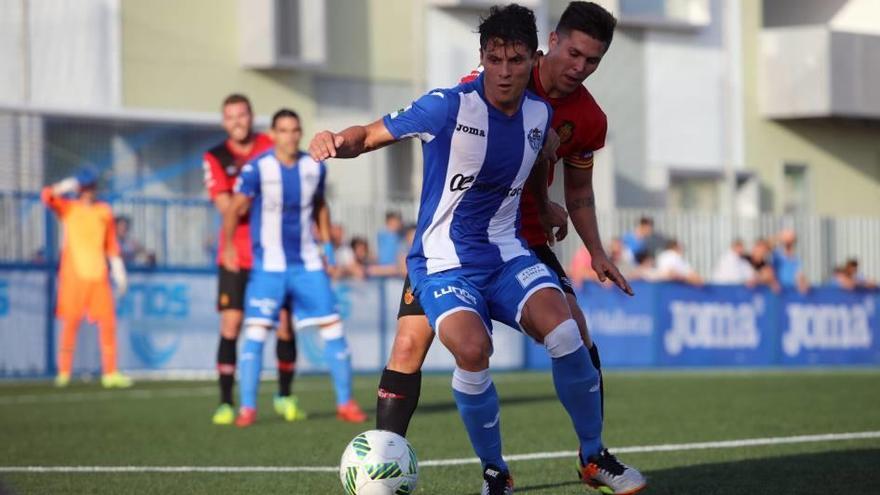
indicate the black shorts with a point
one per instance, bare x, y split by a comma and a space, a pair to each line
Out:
409, 303
230, 289
548, 257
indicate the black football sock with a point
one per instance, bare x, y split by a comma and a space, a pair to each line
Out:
594, 357
285, 351
397, 400
226, 368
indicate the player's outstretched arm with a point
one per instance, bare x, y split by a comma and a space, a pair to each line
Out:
350, 142
237, 208
581, 203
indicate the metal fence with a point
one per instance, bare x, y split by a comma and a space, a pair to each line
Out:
183, 233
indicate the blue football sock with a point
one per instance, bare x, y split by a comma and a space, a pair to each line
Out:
477, 402
338, 359
249, 367
577, 385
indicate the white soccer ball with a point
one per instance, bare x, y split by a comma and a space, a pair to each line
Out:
379, 462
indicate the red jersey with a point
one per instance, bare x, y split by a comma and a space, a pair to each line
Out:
222, 165
581, 126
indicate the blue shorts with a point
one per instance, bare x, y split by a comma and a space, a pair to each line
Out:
309, 291
496, 294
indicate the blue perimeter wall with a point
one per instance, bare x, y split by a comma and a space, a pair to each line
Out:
167, 322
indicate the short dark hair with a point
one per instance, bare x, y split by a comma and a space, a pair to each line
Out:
646, 221
589, 18
512, 24
237, 98
284, 113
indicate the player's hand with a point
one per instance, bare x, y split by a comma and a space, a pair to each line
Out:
230, 259
554, 221
606, 270
324, 145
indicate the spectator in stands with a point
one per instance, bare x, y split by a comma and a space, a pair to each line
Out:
130, 248
362, 260
673, 267
390, 239
342, 252
645, 268
847, 277
581, 269
761, 260
734, 267
643, 238
786, 263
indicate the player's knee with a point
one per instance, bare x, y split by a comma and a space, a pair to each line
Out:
563, 340
473, 355
331, 331
410, 346
230, 324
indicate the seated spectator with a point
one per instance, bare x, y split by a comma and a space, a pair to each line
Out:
342, 253
761, 260
130, 249
847, 276
787, 264
673, 267
361, 260
643, 238
733, 267
580, 269
645, 268
389, 239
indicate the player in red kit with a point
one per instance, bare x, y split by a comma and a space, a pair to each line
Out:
222, 164
576, 48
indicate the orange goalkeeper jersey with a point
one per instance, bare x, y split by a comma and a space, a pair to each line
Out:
89, 237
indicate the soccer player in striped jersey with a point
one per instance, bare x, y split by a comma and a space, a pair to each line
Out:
581, 39
282, 191
221, 164
468, 265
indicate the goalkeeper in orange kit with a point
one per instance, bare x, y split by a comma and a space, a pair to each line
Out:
83, 284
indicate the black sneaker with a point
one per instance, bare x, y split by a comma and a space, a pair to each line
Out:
496, 481
605, 473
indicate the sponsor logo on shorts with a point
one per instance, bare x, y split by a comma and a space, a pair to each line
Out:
224, 299
461, 294
408, 297
532, 273
265, 305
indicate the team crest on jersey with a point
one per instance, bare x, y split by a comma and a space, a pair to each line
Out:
536, 138
565, 131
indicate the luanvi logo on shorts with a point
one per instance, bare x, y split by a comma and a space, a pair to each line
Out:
458, 292
827, 327
470, 130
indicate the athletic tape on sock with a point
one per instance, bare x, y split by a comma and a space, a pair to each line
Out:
332, 331
256, 332
564, 339
471, 382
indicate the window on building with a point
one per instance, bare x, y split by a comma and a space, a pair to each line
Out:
795, 189
282, 34
694, 193
400, 171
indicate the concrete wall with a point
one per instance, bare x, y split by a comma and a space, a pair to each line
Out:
842, 155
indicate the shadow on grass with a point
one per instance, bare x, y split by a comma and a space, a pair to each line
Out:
444, 407
842, 471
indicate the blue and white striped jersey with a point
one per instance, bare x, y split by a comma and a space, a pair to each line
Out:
476, 162
282, 210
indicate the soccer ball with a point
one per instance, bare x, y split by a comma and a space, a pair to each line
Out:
379, 462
